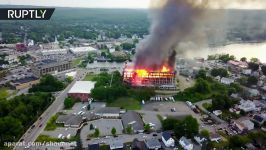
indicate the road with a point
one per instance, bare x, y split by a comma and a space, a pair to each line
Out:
32, 133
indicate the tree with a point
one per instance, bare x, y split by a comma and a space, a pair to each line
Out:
263, 69
238, 141
252, 81
205, 133
127, 46
202, 86
221, 102
219, 72
103, 54
201, 74
244, 59
253, 66
169, 123
188, 127
69, 102
226, 57
129, 129
147, 127
96, 132
254, 60
113, 131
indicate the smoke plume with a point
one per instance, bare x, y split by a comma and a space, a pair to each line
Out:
175, 22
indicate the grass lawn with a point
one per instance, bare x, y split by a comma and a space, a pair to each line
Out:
89, 77
3, 93
51, 124
126, 103
77, 61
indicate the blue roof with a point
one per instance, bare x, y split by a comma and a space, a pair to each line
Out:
258, 118
94, 147
166, 135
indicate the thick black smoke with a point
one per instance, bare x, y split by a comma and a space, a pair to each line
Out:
174, 22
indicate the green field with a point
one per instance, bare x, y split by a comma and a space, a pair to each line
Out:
89, 77
126, 103
77, 62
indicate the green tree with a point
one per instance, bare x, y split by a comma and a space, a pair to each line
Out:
205, 133
147, 127
201, 74
254, 60
219, 72
188, 127
252, 81
253, 66
244, 59
113, 131
238, 141
127, 46
96, 133
202, 86
221, 102
169, 123
69, 102
129, 129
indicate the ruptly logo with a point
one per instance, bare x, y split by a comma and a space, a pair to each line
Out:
26, 13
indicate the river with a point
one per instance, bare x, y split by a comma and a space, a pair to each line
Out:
248, 50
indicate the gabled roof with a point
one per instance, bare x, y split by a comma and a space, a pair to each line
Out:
166, 135
132, 118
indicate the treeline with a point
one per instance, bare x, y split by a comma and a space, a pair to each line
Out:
109, 87
17, 114
206, 88
48, 83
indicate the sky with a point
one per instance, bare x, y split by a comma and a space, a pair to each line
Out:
252, 4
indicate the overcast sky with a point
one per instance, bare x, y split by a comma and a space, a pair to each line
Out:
254, 4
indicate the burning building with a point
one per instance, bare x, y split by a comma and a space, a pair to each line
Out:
165, 77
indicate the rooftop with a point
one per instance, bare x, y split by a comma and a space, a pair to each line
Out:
109, 110
24, 80
166, 135
82, 87
132, 118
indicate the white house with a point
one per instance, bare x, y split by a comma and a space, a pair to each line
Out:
248, 106
227, 81
185, 143
167, 139
199, 139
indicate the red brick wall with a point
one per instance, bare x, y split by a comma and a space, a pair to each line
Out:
82, 96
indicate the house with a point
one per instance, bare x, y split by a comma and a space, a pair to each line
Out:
215, 137
108, 112
152, 144
93, 147
244, 125
259, 119
217, 112
81, 90
227, 81
167, 139
237, 66
133, 119
248, 106
116, 145
247, 71
200, 139
138, 145
186, 143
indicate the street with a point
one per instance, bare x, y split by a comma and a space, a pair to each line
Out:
32, 133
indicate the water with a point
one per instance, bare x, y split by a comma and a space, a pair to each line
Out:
248, 50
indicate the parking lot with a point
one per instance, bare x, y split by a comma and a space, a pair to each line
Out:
104, 125
63, 131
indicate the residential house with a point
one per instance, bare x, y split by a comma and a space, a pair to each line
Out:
186, 143
152, 144
200, 139
117, 145
93, 147
138, 145
215, 137
260, 119
167, 139
227, 81
248, 106
244, 125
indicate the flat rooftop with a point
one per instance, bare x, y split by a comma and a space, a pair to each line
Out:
82, 87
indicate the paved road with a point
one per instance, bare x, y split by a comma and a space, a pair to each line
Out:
217, 119
32, 134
